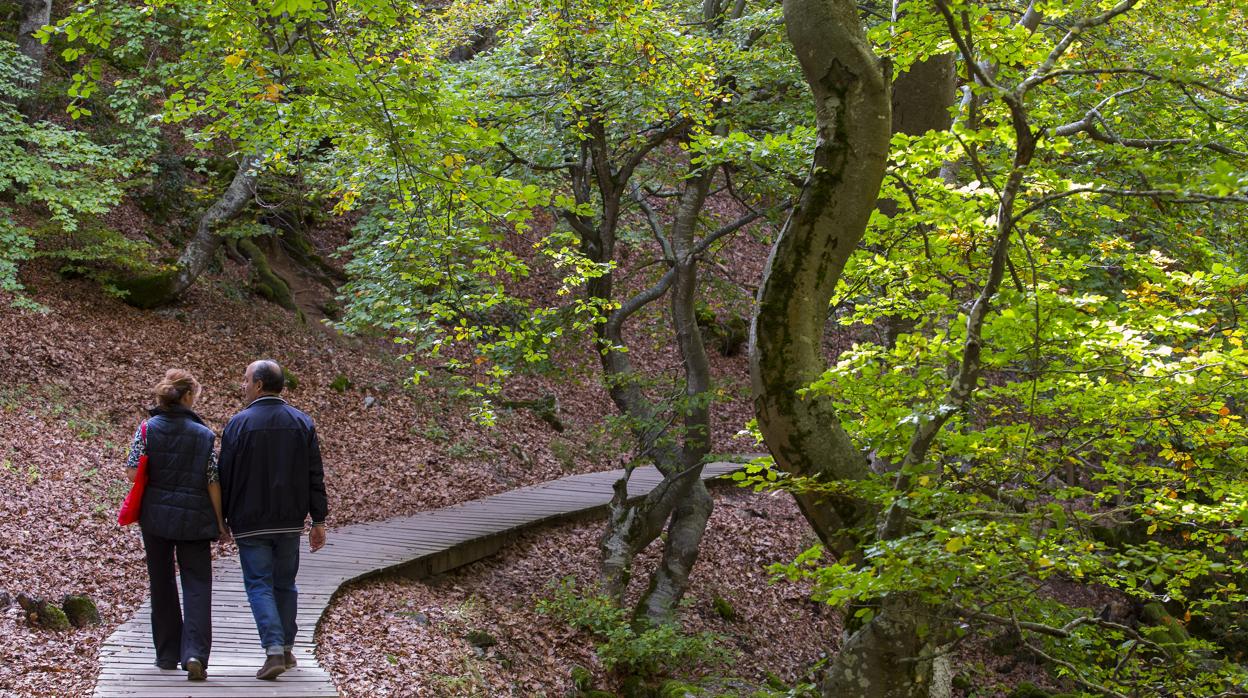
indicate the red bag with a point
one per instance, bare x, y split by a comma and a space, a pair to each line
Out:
130, 507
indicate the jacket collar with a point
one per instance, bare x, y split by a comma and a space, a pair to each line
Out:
262, 398
175, 412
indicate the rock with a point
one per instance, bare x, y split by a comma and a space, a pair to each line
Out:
80, 610
480, 638
5, 600
41, 614
582, 678
369, 402
723, 608
420, 618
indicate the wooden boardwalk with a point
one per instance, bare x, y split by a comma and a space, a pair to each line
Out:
422, 544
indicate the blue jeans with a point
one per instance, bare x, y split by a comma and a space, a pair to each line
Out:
270, 564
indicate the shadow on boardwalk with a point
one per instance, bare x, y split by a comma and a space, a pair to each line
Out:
422, 544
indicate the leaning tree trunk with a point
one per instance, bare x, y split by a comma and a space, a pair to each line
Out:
884, 658
786, 336
200, 250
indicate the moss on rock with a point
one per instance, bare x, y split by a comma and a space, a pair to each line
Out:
263, 281
147, 291
42, 614
80, 610
582, 678
679, 689
723, 608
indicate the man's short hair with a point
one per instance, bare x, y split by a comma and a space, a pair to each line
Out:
272, 378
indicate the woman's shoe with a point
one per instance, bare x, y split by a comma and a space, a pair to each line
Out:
195, 670
167, 666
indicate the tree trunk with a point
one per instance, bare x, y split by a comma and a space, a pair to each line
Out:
688, 520
200, 250
684, 541
900, 653
890, 656
786, 336
35, 15
632, 527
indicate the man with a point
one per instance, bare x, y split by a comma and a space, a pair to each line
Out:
271, 481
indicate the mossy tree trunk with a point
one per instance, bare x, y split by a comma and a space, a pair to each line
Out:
887, 657
853, 123
203, 245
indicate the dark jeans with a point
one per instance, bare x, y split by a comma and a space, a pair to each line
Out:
180, 634
270, 563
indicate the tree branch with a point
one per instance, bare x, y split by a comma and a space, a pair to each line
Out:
1073, 34
1177, 197
1035, 80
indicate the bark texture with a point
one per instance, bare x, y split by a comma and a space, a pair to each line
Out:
852, 108
891, 656
35, 15
200, 250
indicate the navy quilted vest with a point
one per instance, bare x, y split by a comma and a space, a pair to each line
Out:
176, 504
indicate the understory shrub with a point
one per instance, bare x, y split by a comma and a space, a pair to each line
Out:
628, 648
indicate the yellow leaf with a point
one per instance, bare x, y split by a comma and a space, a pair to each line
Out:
953, 545
924, 480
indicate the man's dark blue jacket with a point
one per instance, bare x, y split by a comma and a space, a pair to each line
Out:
271, 474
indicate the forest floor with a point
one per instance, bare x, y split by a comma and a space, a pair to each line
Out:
73, 386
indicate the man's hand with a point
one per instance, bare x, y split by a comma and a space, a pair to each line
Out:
316, 539
225, 537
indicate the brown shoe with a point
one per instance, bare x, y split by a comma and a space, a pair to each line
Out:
273, 667
195, 670
289, 658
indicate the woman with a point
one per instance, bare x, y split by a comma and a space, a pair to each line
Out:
180, 516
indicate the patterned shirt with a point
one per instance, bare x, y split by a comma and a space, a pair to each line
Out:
138, 447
